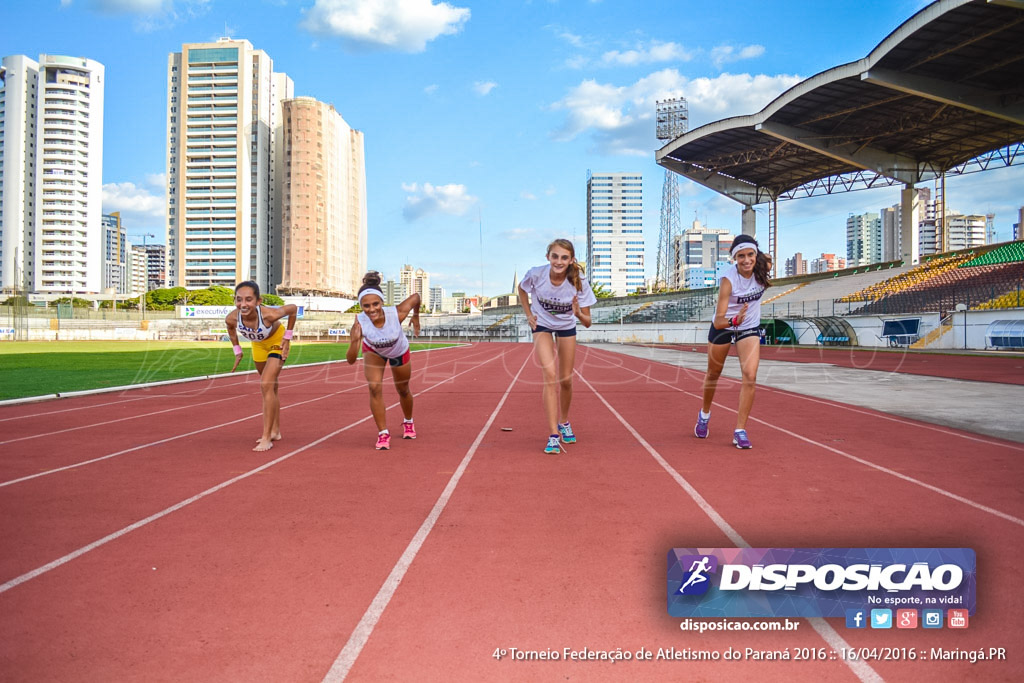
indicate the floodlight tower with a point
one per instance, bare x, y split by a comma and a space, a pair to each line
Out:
673, 121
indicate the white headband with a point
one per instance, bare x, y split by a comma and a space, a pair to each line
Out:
741, 246
371, 291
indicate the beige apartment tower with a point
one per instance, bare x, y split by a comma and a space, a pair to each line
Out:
323, 202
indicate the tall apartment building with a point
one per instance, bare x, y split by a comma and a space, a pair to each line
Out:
797, 265
436, 297
115, 258
964, 232
417, 280
51, 174
225, 165
700, 253
324, 202
827, 263
615, 235
863, 239
156, 265
1018, 227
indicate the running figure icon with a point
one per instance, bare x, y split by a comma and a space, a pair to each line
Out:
697, 571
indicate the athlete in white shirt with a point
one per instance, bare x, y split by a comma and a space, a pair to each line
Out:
559, 295
378, 331
737, 321
271, 342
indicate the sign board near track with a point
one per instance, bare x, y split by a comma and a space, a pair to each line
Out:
206, 312
337, 333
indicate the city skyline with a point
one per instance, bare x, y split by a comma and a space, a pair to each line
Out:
478, 148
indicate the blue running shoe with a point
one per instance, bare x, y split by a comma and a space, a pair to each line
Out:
552, 446
740, 440
701, 430
566, 431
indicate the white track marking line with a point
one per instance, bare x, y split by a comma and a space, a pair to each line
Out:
361, 634
862, 461
860, 669
199, 496
836, 404
179, 436
120, 419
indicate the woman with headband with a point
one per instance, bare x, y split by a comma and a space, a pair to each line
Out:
270, 345
737, 321
378, 329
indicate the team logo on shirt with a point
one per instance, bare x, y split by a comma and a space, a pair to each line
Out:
747, 298
554, 306
381, 344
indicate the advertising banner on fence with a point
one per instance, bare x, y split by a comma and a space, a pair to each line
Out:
817, 582
206, 312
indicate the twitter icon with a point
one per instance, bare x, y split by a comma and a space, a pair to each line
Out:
881, 618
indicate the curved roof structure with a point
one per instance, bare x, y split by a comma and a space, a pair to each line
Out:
940, 90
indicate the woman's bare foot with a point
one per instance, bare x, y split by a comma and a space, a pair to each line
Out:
275, 437
264, 445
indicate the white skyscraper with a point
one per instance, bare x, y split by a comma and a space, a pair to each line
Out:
51, 174
615, 234
863, 239
224, 165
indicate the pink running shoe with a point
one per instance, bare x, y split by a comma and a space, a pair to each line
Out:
409, 431
383, 441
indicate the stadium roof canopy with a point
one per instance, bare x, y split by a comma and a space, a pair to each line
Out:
945, 87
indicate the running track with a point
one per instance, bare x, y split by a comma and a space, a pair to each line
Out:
142, 540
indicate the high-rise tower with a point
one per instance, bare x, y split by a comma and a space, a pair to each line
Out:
224, 165
51, 174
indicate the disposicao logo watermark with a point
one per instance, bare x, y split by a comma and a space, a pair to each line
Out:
817, 582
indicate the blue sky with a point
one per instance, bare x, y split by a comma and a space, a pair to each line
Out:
483, 118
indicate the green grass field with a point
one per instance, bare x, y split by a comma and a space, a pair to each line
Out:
43, 368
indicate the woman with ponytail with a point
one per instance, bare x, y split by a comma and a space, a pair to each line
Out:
378, 331
737, 321
271, 341
560, 296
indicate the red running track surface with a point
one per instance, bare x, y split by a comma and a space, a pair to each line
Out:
159, 547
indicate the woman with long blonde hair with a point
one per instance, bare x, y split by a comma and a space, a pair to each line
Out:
554, 297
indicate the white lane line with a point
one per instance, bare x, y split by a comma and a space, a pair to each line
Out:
361, 634
829, 635
39, 571
188, 393
183, 435
899, 475
835, 404
120, 419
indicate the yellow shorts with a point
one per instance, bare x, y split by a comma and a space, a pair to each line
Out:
269, 347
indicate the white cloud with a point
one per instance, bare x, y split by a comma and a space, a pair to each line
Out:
725, 54
405, 25
129, 197
430, 89
157, 180
142, 210
655, 51
621, 119
528, 196
484, 87
425, 199
517, 234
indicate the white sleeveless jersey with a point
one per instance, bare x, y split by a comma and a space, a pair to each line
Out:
388, 341
745, 290
261, 331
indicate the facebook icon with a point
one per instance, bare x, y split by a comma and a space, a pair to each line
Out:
856, 618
